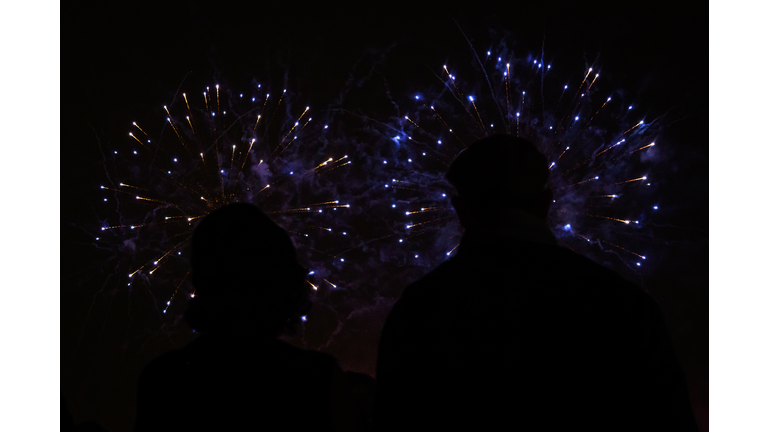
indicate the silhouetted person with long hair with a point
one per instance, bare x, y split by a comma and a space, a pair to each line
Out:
517, 333
237, 375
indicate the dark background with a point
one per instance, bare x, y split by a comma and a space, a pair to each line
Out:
122, 62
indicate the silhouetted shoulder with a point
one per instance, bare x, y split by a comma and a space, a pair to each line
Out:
211, 357
529, 270
432, 280
215, 383
602, 277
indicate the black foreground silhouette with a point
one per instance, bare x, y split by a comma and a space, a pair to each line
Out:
515, 332
237, 375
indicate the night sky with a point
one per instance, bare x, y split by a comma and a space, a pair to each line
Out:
122, 65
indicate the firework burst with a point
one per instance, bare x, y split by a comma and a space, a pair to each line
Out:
215, 148
364, 195
601, 151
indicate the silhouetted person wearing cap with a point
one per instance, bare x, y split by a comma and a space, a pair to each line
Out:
517, 333
237, 375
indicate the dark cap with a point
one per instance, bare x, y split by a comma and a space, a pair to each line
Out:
501, 171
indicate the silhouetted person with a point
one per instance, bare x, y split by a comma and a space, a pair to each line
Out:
517, 333
237, 375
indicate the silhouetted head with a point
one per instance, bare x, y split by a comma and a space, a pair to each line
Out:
497, 173
245, 273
